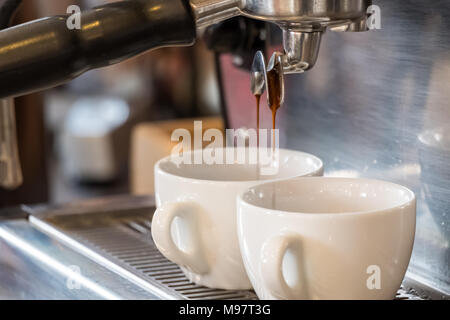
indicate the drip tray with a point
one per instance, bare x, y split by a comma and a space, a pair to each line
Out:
116, 233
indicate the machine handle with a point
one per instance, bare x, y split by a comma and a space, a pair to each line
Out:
46, 53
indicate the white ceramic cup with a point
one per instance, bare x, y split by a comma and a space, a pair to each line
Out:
195, 221
326, 238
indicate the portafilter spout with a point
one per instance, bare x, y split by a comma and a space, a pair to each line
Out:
259, 80
301, 50
303, 22
258, 75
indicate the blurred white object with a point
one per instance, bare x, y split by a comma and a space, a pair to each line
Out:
152, 141
88, 143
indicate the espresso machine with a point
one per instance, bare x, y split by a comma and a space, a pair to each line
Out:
370, 104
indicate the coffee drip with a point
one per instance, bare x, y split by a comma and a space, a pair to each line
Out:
258, 101
272, 80
274, 97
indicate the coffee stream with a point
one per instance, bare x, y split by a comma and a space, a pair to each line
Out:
274, 91
258, 101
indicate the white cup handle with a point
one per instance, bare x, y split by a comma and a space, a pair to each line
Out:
194, 258
272, 254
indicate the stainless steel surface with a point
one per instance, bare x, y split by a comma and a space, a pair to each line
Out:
34, 265
120, 240
364, 108
258, 74
10, 170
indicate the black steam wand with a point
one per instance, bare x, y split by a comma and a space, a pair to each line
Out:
46, 52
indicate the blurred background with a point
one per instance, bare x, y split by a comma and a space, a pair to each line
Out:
75, 141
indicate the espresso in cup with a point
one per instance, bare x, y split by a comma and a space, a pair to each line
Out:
326, 238
195, 221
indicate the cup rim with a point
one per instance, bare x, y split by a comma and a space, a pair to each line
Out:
411, 196
316, 172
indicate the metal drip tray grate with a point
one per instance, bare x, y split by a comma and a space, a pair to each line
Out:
120, 239
122, 242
